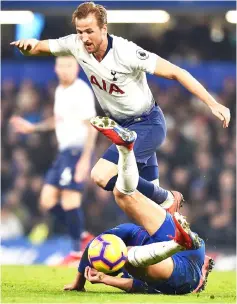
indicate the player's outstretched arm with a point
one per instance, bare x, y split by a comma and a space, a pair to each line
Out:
80, 280
129, 285
32, 47
23, 126
168, 70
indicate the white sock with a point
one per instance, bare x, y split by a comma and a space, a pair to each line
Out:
142, 256
169, 201
128, 175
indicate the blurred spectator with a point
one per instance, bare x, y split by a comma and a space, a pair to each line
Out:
10, 227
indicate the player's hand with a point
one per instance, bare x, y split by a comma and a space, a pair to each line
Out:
82, 169
222, 112
25, 45
21, 125
93, 275
72, 286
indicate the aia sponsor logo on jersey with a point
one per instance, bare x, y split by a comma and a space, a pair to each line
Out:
105, 86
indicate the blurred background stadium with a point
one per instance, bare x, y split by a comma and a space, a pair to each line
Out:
198, 157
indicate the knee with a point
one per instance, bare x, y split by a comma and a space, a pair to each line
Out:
71, 200
47, 200
46, 203
98, 177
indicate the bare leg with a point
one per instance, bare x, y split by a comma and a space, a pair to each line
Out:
145, 212
160, 271
70, 199
103, 171
49, 197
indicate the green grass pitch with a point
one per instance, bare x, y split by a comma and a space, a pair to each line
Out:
42, 284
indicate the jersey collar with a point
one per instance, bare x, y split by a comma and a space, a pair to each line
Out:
109, 46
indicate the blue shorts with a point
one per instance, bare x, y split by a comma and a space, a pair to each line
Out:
187, 264
151, 132
61, 174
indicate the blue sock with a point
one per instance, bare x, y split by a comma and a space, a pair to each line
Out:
153, 192
58, 212
111, 183
75, 224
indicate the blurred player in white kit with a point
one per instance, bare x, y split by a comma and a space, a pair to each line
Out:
61, 194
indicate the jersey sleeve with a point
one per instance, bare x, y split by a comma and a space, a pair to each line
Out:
136, 58
64, 45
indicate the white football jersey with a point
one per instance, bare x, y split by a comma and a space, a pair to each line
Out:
119, 80
72, 106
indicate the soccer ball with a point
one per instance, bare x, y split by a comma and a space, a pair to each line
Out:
107, 253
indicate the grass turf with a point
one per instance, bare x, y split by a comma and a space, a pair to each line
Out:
42, 284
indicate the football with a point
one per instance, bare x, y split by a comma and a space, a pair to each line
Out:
107, 253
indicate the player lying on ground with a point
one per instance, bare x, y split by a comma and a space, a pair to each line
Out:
116, 69
156, 264
172, 269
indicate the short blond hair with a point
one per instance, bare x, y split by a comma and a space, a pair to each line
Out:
86, 8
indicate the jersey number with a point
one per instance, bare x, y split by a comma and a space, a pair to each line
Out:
110, 88
66, 177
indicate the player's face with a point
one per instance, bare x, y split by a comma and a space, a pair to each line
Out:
66, 69
90, 33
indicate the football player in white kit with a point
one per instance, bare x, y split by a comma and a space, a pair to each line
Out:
116, 69
65, 180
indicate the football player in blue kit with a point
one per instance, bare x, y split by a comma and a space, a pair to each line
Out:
116, 69
164, 255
